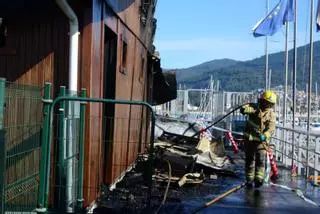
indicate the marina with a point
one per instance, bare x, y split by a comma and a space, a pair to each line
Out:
146, 106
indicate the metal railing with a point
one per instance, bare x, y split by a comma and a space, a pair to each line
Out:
205, 103
293, 149
74, 162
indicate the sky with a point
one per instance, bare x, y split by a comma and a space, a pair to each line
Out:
190, 32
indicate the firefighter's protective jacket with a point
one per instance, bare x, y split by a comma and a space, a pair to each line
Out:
260, 121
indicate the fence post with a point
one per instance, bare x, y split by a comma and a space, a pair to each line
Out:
151, 153
44, 165
61, 144
3, 158
81, 150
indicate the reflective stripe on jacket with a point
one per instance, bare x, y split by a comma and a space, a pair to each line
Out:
259, 122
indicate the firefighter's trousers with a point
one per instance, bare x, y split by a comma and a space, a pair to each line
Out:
255, 160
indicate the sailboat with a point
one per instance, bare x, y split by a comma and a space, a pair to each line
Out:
207, 101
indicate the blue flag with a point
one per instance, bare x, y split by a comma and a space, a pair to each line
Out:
318, 16
282, 13
289, 14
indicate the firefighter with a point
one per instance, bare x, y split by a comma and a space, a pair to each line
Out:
258, 129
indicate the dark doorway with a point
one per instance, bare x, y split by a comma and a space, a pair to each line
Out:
110, 66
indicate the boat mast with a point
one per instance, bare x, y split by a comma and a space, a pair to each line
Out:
310, 84
211, 96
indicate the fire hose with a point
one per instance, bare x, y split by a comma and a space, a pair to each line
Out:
167, 188
209, 203
298, 192
273, 165
217, 121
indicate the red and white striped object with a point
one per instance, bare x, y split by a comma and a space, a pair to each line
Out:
233, 142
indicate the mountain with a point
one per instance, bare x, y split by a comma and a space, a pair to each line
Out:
198, 70
249, 75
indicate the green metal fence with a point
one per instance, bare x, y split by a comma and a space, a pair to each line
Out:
42, 146
64, 182
62, 174
20, 131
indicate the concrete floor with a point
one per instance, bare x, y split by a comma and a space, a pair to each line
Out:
267, 199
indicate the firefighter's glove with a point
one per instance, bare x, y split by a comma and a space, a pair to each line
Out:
247, 109
262, 138
243, 109
267, 135
252, 137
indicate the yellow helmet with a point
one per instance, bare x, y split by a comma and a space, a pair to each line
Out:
269, 96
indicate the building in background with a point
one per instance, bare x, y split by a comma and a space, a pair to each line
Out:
105, 46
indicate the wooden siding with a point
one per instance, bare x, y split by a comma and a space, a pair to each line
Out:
129, 12
91, 78
36, 51
129, 86
122, 112
137, 93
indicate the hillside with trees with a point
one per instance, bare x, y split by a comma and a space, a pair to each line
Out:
249, 75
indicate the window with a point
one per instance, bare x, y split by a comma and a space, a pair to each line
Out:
124, 56
3, 32
141, 70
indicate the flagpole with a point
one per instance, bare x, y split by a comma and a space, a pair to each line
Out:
284, 110
285, 92
310, 84
294, 78
269, 77
318, 17
317, 105
266, 51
